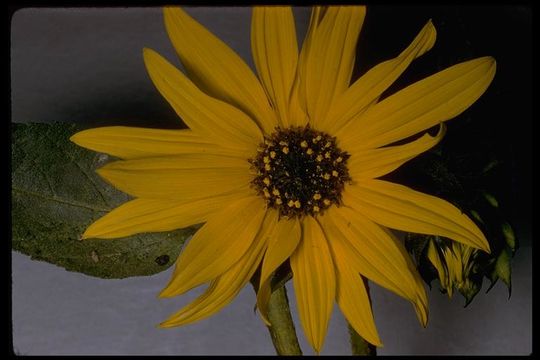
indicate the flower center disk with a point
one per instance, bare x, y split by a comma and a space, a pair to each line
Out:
300, 171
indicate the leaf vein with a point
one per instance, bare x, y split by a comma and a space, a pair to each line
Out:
60, 200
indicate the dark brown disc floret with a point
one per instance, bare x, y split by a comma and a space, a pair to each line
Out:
300, 171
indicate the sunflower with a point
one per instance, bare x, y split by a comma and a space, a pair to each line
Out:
284, 166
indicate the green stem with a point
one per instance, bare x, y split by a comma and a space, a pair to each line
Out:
282, 330
359, 346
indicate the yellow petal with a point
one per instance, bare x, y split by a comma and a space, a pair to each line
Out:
445, 268
298, 115
151, 215
181, 177
281, 244
399, 207
455, 267
329, 52
354, 302
372, 84
419, 106
275, 52
206, 116
132, 143
373, 163
227, 286
218, 245
421, 304
263, 298
216, 68
314, 282
374, 253
435, 259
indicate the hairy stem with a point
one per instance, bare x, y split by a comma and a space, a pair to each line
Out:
282, 330
359, 346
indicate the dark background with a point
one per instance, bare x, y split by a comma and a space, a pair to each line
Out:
85, 65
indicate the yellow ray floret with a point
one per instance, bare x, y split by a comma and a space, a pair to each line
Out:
225, 287
314, 282
373, 163
281, 244
180, 177
220, 243
133, 143
420, 106
399, 207
217, 69
206, 116
371, 85
156, 215
372, 252
275, 53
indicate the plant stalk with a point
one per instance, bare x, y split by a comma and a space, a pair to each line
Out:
282, 330
359, 346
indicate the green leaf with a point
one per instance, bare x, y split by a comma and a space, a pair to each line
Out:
56, 194
416, 245
503, 269
469, 289
476, 216
490, 166
509, 235
491, 199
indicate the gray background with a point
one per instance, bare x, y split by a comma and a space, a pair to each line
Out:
85, 65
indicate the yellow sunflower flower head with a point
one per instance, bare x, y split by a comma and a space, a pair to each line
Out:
283, 165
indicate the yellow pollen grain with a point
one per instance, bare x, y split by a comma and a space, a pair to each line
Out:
272, 154
326, 176
266, 193
304, 144
326, 202
317, 139
290, 203
327, 145
275, 192
317, 196
309, 151
335, 173
316, 208
283, 143
319, 158
339, 159
267, 167
266, 159
266, 181
285, 150
327, 155
297, 204
278, 201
